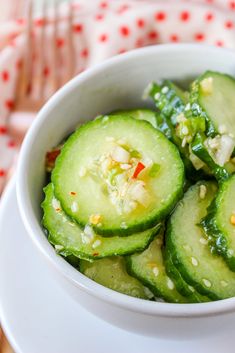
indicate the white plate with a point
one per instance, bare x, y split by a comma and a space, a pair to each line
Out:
39, 317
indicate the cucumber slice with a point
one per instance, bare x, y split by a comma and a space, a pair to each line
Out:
83, 195
149, 268
201, 152
69, 238
183, 287
111, 273
219, 224
213, 95
206, 272
140, 114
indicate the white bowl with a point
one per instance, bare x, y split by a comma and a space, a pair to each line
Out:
117, 83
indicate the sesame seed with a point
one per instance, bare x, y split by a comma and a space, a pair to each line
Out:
187, 107
224, 283
184, 130
125, 166
183, 144
202, 191
230, 252
222, 129
96, 243
203, 241
191, 288
165, 89
194, 261
157, 96
59, 247
55, 203
85, 239
206, 282
155, 271
74, 206
170, 284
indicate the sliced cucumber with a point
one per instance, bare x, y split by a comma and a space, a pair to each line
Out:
183, 287
149, 268
213, 95
201, 152
219, 224
69, 238
94, 192
206, 272
140, 114
111, 273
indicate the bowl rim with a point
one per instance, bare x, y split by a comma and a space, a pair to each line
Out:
34, 230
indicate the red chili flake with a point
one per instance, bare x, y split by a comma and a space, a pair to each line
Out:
46, 71
103, 5
232, 5
99, 17
140, 166
184, 16
73, 193
229, 24
174, 38
199, 37
9, 104
58, 209
3, 130
40, 22
125, 31
11, 144
2, 172
78, 28
219, 43
153, 35
5, 75
84, 53
140, 22
160, 16
95, 254
60, 42
209, 16
51, 158
103, 38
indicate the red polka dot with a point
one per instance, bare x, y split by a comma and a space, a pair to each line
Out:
78, 28
140, 22
60, 42
160, 16
2, 172
103, 38
139, 43
229, 24
103, 5
152, 35
125, 31
84, 53
199, 37
219, 43
185, 16
209, 16
11, 144
174, 38
9, 104
99, 17
122, 51
40, 22
5, 76
232, 5
123, 9
46, 71
3, 130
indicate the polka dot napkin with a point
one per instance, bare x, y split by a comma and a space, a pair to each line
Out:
101, 29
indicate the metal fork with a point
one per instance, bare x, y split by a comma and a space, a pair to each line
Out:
30, 94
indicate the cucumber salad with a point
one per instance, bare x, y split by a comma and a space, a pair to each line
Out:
143, 201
